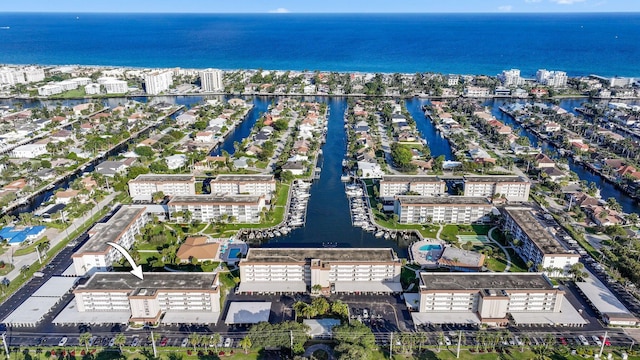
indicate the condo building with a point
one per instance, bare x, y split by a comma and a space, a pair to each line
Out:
206, 208
536, 243
513, 188
441, 209
261, 185
392, 185
335, 270
158, 81
170, 184
211, 80
169, 298
96, 255
492, 298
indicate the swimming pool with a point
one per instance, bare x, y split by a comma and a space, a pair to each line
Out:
429, 247
233, 253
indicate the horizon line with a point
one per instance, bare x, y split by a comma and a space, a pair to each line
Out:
320, 13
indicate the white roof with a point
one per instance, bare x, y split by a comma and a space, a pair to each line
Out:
449, 317
567, 315
272, 286
600, 296
243, 312
71, 315
367, 286
57, 286
320, 327
70, 271
412, 300
190, 317
31, 311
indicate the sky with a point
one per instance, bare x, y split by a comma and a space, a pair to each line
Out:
324, 6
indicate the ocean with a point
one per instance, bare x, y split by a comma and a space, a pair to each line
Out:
580, 44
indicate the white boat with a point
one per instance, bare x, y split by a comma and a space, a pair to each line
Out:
386, 236
277, 233
379, 234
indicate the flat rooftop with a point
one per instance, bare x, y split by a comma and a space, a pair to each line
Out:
600, 296
284, 255
111, 230
151, 282
480, 281
442, 200
494, 178
164, 178
454, 256
243, 178
411, 179
214, 199
536, 231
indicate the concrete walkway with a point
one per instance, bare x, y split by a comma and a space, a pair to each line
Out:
504, 250
438, 233
32, 258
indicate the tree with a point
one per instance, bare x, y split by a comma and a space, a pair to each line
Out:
320, 306
341, 309
215, 340
355, 341
84, 340
577, 271
144, 151
245, 344
440, 339
194, 339
120, 340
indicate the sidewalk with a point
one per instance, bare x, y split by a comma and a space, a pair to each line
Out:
32, 258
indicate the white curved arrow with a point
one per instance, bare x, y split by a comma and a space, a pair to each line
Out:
137, 269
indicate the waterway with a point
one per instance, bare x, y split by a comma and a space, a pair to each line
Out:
328, 217
607, 189
438, 144
260, 106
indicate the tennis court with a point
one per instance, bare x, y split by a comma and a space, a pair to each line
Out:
482, 239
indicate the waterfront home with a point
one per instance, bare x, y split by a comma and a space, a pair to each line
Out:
29, 151
552, 127
579, 146
204, 136
176, 161
603, 216
111, 168
296, 168
65, 197
543, 161
553, 173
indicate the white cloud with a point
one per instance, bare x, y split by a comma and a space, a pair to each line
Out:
505, 8
532, 1
280, 11
567, 2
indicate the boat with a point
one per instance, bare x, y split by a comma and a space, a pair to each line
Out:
386, 236
379, 234
5, 27
277, 233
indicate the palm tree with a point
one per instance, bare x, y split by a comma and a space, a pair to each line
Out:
120, 340
440, 339
215, 340
194, 339
245, 344
84, 340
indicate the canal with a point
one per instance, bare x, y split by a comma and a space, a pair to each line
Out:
328, 217
260, 106
607, 189
438, 144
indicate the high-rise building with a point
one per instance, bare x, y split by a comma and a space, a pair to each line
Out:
551, 78
158, 81
211, 80
511, 78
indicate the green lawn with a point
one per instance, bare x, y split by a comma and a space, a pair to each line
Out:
29, 249
517, 265
450, 232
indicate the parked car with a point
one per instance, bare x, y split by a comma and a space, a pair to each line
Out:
447, 341
135, 341
583, 340
163, 341
228, 342
596, 340
607, 342
562, 341
185, 342
92, 340
112, 342
63, 341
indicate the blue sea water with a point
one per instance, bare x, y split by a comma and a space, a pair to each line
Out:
581, 44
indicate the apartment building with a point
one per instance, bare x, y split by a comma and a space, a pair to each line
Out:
170, 184
475, 91
491, 298
206, 208
442, 209
335, 270
211, 80
96, 255
392, 185
158, 81
513, 188
173, 297
115, 86
511, 78
260, 185
536, 243
551, 78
